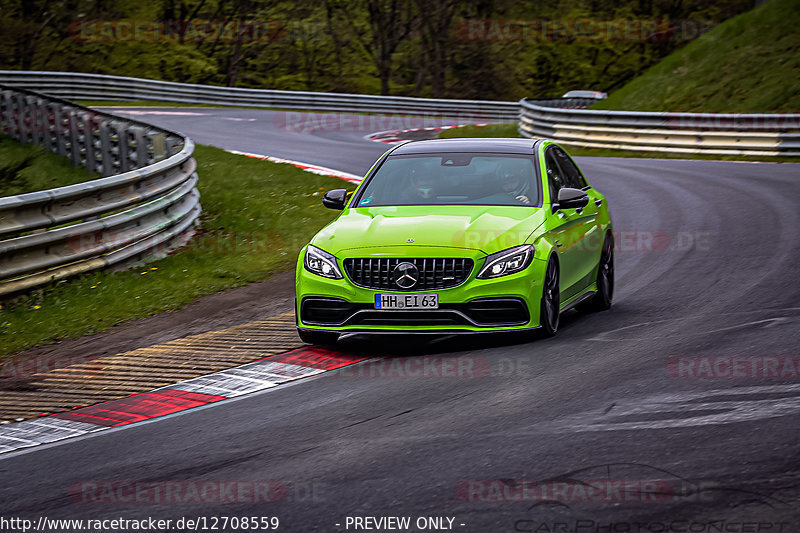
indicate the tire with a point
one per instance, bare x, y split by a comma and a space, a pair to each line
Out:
550, 309
324, 338
601, 301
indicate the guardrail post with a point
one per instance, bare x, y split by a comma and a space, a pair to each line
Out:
138, 156
5, 115
35, 122
24, 120
88, 147
107, 149
15, 118
169, 146
49, 124
74, 139
120, 139
62, 130
159, 146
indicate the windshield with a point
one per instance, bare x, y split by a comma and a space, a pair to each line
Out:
453, 179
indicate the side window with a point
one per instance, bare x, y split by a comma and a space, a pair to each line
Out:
572, 176
554, 177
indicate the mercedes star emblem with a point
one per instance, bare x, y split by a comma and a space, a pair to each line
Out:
405, 275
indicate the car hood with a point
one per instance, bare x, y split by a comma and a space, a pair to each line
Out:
485, 228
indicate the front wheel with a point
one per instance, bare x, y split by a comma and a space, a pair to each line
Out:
551, 300
601, 301
324, 338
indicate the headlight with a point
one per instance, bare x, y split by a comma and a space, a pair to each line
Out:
507, 262
322, 263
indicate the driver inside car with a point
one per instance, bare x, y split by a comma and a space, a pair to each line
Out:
514, 182
421, 186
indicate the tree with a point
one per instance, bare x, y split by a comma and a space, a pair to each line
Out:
390, 23
436, 19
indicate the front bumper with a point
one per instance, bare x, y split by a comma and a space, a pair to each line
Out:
508, 303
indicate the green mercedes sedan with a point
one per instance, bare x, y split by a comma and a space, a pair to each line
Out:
458, 236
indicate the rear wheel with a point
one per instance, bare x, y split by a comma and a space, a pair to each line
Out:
325, 338
601, 300
551, 300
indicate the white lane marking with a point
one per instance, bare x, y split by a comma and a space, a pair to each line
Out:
67, 426
34, 432
166, 113
222, 385
238, 375
7, 437
255, 375
285, 371
308, 167
245, 379
288, 369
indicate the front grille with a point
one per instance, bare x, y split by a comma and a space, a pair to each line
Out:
376, 273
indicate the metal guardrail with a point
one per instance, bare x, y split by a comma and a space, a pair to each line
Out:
688, 133
103, 87
145, 204
562, 119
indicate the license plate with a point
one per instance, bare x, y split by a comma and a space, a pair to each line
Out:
407, 301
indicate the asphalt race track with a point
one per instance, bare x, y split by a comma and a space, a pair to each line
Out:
706, 268
328, 139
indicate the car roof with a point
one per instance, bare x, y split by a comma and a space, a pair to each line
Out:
495, 145
585, 94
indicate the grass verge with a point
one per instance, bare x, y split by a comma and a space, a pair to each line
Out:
748, 64
256, 216
510, 130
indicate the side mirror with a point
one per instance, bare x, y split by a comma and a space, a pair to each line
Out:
335, 199
571, 198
